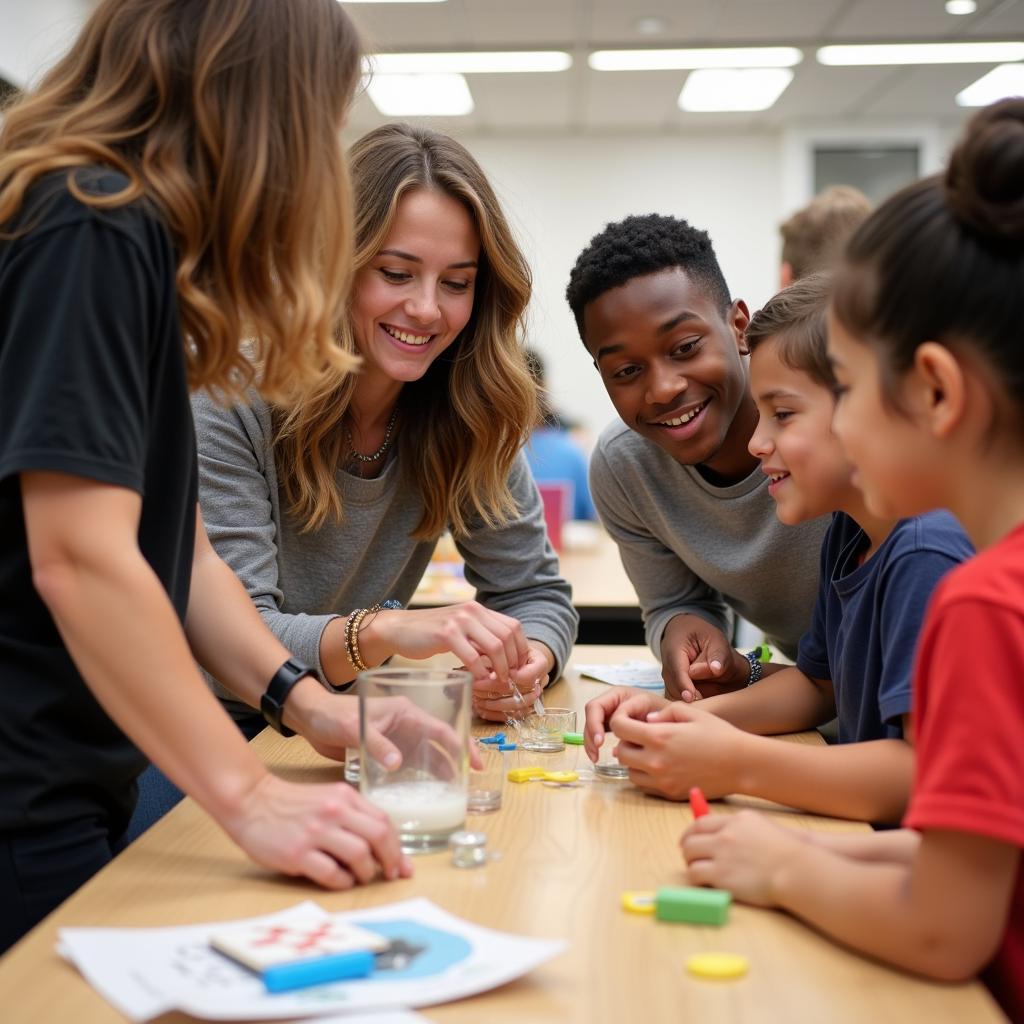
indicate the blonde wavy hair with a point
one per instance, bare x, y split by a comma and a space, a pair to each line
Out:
224, 115
466, 419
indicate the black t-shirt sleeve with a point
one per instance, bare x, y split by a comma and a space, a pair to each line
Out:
75, 302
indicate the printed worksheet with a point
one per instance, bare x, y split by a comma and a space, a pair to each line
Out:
431, 957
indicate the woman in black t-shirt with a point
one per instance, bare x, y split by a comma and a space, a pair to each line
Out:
175, 183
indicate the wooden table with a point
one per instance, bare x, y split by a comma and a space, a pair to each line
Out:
567, 856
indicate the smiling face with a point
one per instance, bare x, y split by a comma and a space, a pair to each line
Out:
411, 301
672, 363
794, 440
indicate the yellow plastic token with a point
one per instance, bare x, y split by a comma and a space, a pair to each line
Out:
717, 965
525, 774
638, 901
560, 776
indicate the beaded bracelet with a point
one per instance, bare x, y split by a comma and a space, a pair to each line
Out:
353, 624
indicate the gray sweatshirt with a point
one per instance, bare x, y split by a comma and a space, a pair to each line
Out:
688, 546
299, 582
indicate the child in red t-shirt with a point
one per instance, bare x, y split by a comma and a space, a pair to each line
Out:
925, 341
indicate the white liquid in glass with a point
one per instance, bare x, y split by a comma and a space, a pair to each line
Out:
422, 807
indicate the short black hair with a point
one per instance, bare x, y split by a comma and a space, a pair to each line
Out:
638, 246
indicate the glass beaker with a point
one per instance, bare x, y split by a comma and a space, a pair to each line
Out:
425, 796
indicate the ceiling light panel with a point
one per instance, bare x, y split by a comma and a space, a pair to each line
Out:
421, 95
705, 57
998, 84
920, 53
708, 90
501, 62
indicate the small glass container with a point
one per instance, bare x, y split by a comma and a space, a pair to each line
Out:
469, 849
487, 781
607, 765
543, 732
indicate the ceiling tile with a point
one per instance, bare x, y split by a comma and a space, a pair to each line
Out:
630, 99
544, 23
412, 26
905, 20
523, 101
997, 18
925, 92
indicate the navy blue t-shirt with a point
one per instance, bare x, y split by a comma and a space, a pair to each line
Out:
92, 384
868, 617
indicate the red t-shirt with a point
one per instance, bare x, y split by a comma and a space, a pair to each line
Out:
968, 719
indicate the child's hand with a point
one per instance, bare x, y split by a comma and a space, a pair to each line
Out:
694, 653
677, 747
599, 711
745, 853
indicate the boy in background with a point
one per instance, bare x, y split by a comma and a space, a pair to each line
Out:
813, 237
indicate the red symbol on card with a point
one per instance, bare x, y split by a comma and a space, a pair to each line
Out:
312, 940
274, 934
300, 941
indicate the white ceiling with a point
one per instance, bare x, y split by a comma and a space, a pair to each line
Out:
590, 102
581, 101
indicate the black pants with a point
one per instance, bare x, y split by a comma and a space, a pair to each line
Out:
40, 868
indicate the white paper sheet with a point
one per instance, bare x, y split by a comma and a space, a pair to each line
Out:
645, 675
148, 971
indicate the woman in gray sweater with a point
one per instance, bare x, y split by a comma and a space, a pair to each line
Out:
330, 510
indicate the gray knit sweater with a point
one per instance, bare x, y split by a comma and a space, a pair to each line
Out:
688, 546
299, 582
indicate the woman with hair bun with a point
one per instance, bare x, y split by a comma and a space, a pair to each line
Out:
175, 184
925, 341
329, 512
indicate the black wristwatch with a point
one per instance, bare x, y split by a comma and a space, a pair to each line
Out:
282, 684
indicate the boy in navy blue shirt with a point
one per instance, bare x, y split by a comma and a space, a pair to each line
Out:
856, 659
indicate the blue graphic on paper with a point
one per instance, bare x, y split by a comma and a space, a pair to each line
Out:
417, 950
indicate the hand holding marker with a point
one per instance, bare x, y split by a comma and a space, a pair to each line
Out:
698, 803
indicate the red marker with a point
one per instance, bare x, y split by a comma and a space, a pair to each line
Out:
698, 803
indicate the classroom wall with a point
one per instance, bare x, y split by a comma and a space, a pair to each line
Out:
34, 34
560, 192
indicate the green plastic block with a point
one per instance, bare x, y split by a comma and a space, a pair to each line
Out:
692, 906
574, 739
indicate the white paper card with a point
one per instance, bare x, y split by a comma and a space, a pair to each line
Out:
643, 674
259, 946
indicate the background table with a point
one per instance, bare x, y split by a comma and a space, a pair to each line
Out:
601, 591
567, 856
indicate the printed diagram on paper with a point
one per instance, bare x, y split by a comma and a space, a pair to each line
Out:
431, 957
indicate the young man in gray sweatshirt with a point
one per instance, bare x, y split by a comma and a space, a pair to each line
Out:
673, 482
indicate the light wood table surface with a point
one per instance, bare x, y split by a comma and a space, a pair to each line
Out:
592, 567
568, 853
601, 591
